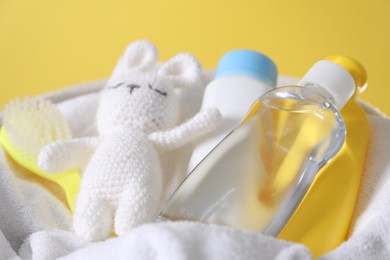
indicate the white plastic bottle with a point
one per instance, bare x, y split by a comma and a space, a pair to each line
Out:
242, 77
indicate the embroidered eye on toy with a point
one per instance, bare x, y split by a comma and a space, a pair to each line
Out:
137, 118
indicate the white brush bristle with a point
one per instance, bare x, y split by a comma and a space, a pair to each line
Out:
32, 123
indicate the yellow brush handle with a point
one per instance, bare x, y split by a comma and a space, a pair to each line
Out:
68, 181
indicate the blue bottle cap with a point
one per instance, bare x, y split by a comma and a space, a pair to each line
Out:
249, 63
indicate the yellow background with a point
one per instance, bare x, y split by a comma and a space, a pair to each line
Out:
50, 44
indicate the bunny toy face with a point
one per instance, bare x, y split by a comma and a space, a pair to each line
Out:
138, 97
140, 102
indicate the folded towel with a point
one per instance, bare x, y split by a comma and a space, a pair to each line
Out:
34, 224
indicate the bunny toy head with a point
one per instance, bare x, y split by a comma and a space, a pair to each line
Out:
138, 96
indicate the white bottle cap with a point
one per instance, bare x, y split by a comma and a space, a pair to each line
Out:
334, 78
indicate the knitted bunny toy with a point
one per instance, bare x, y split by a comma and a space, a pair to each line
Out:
137, 115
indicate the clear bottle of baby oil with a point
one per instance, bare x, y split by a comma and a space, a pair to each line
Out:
256, 177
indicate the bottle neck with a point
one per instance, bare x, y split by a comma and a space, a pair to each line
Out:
314, 90
333, 78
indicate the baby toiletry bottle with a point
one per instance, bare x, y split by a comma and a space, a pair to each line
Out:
257, 176
309, 132
241, 77
323, 218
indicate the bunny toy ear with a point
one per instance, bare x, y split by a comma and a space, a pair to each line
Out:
140, 55
182, 71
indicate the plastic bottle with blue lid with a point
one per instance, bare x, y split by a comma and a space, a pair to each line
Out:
242, 77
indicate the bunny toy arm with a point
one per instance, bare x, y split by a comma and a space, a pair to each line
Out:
66, 155
201, 124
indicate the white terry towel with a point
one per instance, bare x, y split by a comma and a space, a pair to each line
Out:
35, 225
